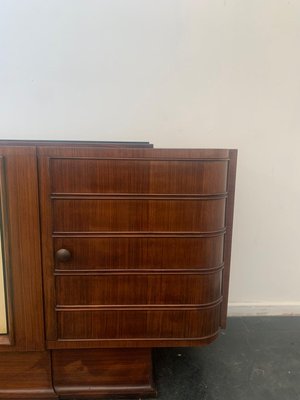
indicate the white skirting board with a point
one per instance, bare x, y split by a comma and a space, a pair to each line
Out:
261, 309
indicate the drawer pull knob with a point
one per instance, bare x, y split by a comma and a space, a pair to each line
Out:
63, 255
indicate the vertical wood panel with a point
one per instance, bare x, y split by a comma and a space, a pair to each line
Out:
5, 304
24, 248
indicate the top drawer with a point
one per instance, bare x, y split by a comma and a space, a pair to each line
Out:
83, 175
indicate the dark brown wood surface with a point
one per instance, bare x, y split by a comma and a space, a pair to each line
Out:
127, 218
131, 215
156, 252
138, 289
22, 240
139, 324
109, 176
26, 375
136, 247
103, 373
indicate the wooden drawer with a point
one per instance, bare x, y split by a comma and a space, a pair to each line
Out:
140, 252
138, 289
138, 324
158, 215
138, 176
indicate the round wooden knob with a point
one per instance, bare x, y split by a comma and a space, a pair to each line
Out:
63, 255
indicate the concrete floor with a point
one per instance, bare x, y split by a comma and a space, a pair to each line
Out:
256, 358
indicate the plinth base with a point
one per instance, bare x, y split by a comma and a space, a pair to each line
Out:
100, 373
26, 376
76, 374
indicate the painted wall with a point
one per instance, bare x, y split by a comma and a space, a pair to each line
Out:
180, 73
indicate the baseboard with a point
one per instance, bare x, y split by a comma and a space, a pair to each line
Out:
257, 309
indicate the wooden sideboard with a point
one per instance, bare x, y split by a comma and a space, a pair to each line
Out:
109, 250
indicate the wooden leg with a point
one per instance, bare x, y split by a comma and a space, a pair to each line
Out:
100, 373
26, 376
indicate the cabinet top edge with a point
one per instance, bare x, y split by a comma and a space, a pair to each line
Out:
66, 143
100, 143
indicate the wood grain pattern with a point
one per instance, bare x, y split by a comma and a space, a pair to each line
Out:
103, 253
26, 375
25, 290
145, 211
103, 372
139, 324
138, 176
138, 215
147, 237
89, 151
138, 289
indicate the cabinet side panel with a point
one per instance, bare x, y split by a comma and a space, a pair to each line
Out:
47, 253
25, 291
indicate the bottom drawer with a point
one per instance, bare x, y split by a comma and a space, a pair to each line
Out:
138, 324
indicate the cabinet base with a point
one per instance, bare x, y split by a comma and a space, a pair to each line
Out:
76, 374
100, 373
26, 376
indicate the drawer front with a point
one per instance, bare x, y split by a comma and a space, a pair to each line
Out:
138, 215
138, 176
140, 252
131, 289
138, 324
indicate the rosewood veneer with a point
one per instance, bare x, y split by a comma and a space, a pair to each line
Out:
109, 250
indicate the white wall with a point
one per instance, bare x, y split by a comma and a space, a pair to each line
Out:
180, 73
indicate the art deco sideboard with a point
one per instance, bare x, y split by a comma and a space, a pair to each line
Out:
108, 250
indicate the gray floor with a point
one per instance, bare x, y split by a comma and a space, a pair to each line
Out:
256, 358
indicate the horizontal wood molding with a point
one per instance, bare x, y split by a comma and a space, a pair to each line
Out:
158, 234
157, 307
128, 343
177, 271
136, 196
